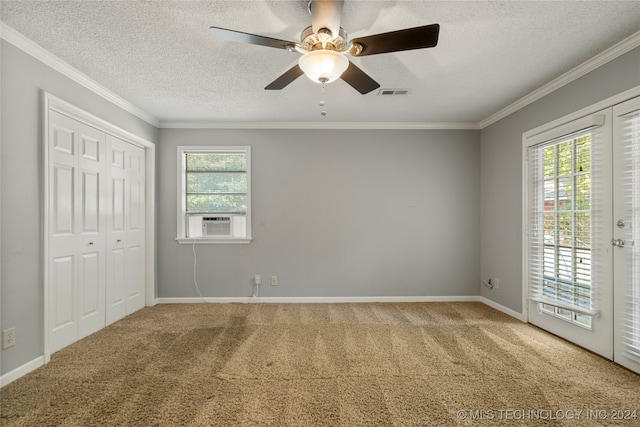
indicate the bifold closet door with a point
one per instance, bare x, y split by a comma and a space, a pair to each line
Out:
91, 236
95, 230
135, 227
76, 225
125, 230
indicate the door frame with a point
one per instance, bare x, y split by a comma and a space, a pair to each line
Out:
52, 102
526, 138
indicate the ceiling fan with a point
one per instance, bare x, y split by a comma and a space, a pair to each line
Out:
325, 44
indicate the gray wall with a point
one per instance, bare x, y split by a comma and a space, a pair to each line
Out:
337, 213
501, 171
22, 78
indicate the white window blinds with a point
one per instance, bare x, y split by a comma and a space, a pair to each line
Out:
563, 208
630, 139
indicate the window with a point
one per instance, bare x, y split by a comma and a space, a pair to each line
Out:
214, 195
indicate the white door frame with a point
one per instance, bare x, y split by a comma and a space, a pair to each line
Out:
51, 102
592, 109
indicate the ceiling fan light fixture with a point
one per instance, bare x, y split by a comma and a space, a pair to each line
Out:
323, 65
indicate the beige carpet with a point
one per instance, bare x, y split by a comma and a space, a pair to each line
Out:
430, 364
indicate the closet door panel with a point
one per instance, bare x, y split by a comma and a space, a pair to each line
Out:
63, 291
116, 284
135, 276
63, 200
117, 214
135, 227
63, 195
92, 230
90, 289
90, 188
117, 278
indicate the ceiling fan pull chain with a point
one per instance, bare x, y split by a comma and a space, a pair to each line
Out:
321, 103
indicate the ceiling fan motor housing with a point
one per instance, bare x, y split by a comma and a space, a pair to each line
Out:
326, 14
310, 40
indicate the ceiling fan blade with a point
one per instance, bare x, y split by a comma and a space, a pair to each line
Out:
359, 80
288, 77
239, 36
396, 41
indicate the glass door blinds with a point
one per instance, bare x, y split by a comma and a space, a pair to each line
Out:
567, 243
626, 233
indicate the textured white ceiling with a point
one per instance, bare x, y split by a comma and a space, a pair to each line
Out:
160, 56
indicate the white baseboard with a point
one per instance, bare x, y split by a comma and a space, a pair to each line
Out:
503, 309
20, 371
311, 300
336, 300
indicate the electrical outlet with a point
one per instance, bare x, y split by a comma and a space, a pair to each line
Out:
8, 338
257, 279
496, 283
274, 280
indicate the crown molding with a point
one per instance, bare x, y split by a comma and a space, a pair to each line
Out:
608, 55
319, 125
38, 52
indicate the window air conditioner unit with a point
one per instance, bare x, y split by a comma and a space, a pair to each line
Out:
217, 225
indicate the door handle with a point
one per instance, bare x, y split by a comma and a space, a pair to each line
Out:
617, 242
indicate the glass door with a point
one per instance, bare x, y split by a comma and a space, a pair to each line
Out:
568, 251
626, 233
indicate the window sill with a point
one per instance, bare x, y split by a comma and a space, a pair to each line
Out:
212, 241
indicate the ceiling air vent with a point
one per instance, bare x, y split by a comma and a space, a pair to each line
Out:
393, 92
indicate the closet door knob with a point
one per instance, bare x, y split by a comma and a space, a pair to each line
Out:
90, 243
119, 240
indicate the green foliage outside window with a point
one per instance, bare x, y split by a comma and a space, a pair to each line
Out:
567, 172
216, 182
567, 220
